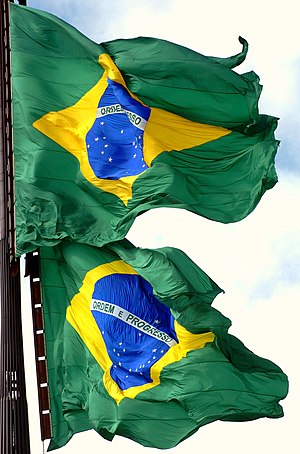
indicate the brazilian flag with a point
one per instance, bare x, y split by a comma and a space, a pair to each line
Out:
146, 358
105, 132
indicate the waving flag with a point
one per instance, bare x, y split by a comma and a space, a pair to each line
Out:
105, 132
135, 355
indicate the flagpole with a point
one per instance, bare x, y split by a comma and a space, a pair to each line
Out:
14, 425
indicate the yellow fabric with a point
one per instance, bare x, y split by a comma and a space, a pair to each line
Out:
80, 317
164, 131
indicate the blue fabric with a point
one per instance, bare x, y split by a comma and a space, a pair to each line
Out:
115, 141
132, 351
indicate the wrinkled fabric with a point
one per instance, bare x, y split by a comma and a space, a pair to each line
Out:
213, 377
205, 147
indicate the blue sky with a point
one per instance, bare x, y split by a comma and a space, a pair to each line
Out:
256, 260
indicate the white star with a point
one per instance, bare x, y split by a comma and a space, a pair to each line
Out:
96, 139
144, 165
102, 152
88, 146
134, 155
122, 130
106, 145
126, 376
153, 357
148, 362
104, 137
157, 321
154, 350
161, 351
102, 332
133, 143
109, 159
130, 370
114, 349
102, 123
139, 334
120, 364
120, 343
136, 146
124, 349
141, 373
118, 354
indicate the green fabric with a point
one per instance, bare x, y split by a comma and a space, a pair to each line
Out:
175, 78
222, 381
54, 66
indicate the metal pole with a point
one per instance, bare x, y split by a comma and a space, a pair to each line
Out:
32, 270
14, 427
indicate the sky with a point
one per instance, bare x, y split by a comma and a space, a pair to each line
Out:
256, 261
